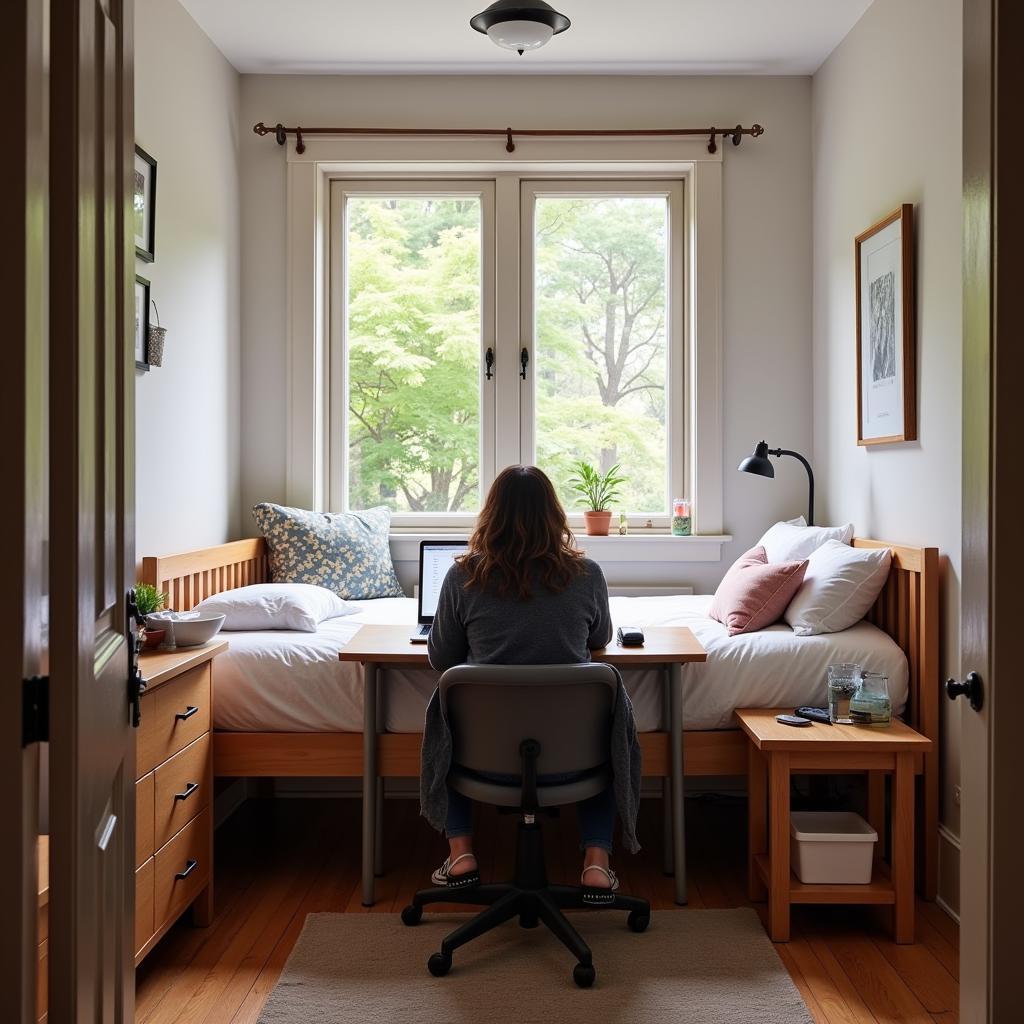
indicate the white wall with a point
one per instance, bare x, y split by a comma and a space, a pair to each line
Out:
188, 412
767, 286
887, 130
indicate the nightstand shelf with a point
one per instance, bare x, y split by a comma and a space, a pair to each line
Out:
775, 753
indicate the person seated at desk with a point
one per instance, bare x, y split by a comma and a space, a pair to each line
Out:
523, 594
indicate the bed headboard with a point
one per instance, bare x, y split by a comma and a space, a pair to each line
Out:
190, 577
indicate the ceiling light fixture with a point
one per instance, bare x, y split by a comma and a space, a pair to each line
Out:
520, 25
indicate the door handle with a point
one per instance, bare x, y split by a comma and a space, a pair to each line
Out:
187, 713
187, 791
970, 687
190, 866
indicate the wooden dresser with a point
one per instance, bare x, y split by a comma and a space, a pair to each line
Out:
174, 792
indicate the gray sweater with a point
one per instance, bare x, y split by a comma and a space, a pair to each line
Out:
483, 627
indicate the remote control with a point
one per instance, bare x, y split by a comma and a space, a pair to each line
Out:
792, 720
814, 714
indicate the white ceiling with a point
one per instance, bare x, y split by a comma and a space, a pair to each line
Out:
749, 37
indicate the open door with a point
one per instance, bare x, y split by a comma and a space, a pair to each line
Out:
91, 456
23, 298
990, 693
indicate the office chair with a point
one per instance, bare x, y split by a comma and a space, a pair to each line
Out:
527, 721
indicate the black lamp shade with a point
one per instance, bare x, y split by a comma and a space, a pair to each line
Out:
758, 463
520, 10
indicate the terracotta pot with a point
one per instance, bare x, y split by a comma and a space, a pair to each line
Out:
153, 638
597, 523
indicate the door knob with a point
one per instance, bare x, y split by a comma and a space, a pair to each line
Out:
970, 688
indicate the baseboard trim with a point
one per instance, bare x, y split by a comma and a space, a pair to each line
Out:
948, 896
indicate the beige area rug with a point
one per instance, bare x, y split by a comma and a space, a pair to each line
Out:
693, 966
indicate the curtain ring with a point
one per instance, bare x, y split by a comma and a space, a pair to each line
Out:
300, 146
712, 148
510, 146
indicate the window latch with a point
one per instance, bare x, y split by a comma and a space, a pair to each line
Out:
524, 361
489, 363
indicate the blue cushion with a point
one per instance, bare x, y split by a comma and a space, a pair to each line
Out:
346, 552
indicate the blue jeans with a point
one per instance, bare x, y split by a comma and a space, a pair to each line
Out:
596, 813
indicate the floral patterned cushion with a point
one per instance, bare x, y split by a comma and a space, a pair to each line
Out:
347, 552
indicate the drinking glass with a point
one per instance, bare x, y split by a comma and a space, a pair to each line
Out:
843, 682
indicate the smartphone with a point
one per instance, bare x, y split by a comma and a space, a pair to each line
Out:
792, 720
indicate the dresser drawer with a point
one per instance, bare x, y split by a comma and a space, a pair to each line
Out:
183, 788
144, 844
173, 715
188, 855
145, 923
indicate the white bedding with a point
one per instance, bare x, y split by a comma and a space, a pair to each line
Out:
274, 681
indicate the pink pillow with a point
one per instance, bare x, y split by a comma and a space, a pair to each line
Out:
754, 593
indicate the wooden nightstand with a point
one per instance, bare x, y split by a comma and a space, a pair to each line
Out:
775, 752
174, 792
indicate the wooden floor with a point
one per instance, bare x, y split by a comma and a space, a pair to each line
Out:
278, 860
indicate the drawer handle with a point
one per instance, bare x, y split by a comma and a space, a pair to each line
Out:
187, 792
187, 713
190, 866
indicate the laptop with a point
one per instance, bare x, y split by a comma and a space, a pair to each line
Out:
436, 557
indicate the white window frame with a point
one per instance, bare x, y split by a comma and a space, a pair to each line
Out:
336, 440
309, 177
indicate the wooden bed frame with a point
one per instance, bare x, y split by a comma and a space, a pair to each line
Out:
906, 609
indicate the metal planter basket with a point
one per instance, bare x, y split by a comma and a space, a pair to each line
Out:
155, 341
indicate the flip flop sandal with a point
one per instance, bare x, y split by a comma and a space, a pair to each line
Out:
594, 897
443, 876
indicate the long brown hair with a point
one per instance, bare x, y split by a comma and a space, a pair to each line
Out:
521, 536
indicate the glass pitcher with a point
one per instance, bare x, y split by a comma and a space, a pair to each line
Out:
871, 704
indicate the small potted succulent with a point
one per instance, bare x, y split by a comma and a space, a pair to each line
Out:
597, 492
147, 601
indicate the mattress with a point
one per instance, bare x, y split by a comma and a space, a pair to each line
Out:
282, 681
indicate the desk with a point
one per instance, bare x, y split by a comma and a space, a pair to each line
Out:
378, 646
778, 751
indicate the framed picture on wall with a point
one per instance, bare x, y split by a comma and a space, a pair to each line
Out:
886, 349
141, 323
144, 204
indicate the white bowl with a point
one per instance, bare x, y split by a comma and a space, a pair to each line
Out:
190, 632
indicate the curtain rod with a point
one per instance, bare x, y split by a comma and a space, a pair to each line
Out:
281, 133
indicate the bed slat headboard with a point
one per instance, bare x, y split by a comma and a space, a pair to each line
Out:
191, 576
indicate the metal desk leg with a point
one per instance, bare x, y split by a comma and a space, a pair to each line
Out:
678, 819
369, 778
378, 832
666, 782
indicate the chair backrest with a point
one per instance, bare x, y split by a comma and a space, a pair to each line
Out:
567, 709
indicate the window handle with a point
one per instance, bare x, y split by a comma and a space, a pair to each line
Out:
524, 361
489, 363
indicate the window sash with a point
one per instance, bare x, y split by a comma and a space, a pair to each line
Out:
507, 428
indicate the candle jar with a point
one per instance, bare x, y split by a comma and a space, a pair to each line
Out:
681, 518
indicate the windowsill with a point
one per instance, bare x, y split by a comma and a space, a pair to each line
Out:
639, 546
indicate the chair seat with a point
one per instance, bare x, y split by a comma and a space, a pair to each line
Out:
502, 794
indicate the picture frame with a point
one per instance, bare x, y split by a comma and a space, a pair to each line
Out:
144, 205
886, 330
141, 324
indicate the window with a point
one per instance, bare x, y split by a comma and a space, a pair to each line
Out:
441, 373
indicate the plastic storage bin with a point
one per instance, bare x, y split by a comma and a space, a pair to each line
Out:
834, 847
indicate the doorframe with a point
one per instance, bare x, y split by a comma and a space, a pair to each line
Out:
992, 757
23, 297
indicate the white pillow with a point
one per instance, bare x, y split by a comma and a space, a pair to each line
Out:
300, 606
840, 586
793, 541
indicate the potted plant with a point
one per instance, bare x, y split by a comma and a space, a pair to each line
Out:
597, 491
147, 601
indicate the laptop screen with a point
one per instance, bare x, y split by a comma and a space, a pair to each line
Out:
436, 558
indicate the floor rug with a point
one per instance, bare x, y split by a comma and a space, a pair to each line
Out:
697, 966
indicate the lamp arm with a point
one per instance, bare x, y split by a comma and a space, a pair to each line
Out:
810, 479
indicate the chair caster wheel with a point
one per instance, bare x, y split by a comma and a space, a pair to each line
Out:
583, 975
637, 922
412, 914
439, 964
